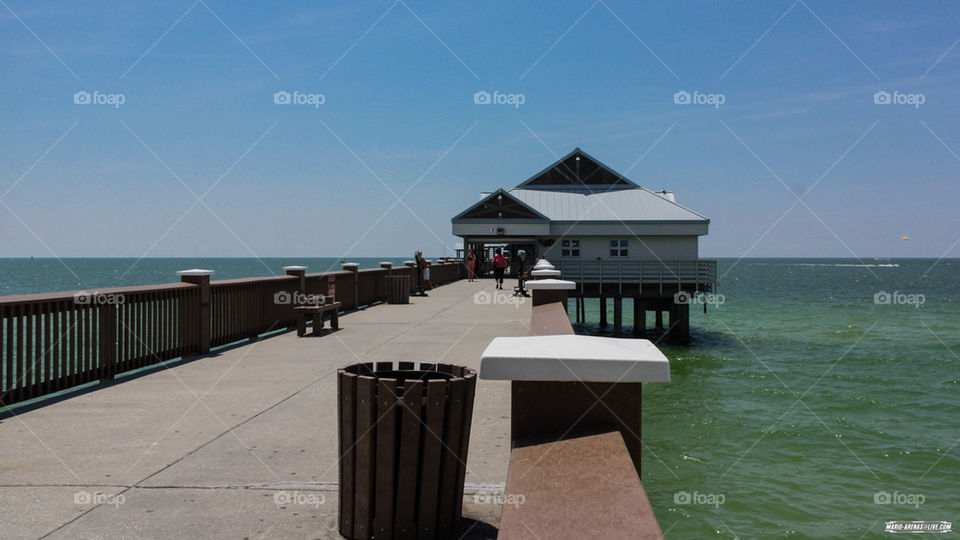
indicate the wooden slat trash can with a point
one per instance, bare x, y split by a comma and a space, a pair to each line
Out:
404, 434
398, 289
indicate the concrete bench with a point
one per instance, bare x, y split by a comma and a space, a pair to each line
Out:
318, 312
578, 399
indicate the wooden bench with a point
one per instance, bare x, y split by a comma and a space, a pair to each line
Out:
318, 312
575, 461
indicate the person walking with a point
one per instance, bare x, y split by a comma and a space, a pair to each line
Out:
471, 263
499, 266
426, 274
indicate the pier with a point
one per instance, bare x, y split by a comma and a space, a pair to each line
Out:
205, 406
242, 441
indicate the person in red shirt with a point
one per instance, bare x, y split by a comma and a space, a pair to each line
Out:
499, 266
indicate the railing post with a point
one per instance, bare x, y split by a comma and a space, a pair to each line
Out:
201, 278
697, 272
547, 291
355, 268
300, 272
107, 332
660, 280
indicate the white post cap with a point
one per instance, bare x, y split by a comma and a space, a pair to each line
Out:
294, 267
546, 272
350, 265
574, 358
386, 263
195, 272
549, 285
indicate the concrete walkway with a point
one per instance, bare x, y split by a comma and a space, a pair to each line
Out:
243, 443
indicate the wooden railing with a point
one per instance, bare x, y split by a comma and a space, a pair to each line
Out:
54, 341
699, 274
245, 308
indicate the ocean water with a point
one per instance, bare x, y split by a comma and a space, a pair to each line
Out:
805, 403
24, 276
806, 406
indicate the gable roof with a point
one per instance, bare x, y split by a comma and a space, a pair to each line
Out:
577, 171
637, 204
501, 205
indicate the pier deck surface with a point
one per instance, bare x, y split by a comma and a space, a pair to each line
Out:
204, 448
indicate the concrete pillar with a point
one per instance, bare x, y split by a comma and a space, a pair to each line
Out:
680, 323
603, 312
659, 313
617, 316
639, 318
541, 297
201, 278
548, 291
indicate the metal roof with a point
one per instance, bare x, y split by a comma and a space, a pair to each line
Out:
636, 204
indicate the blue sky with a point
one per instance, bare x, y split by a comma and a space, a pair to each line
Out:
398, 120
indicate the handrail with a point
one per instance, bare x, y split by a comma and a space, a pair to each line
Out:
696, 274
34, 298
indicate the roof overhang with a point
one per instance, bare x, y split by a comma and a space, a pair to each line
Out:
498, 197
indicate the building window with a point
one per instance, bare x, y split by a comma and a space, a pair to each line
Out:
618, 248
570, 248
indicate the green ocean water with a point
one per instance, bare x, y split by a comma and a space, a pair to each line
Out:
802, 403
800, 406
